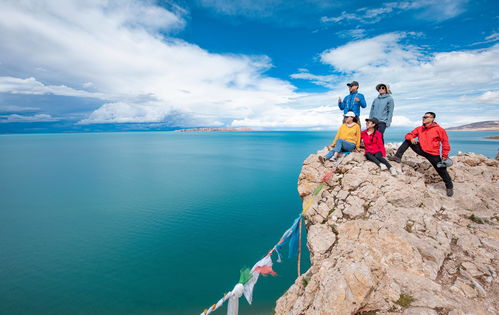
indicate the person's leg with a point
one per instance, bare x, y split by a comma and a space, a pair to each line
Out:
347, 146
329, 155
380, 158
334, 152
371, 157
442, 171
401, 150
382, 128
339, 144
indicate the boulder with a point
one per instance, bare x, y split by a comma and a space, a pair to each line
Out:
384, 244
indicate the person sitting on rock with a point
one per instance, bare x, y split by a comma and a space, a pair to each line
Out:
347, 138
374, 146
430, 136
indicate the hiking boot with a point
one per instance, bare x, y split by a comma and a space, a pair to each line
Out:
322, 159
394, 158
393, 171
383, 167
450, 192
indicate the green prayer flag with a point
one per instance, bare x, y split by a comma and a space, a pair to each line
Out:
245, 276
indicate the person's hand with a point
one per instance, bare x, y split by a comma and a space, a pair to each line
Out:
329, 147
414, 140
339, 99
356, 99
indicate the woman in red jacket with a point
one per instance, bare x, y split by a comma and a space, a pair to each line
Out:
374, 146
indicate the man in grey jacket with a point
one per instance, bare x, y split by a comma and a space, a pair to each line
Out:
382, 108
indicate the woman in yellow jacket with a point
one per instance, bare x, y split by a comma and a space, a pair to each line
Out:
347, 138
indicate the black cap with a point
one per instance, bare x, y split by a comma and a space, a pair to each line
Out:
373, 120
353, 83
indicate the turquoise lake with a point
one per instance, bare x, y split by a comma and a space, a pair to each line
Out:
152, 222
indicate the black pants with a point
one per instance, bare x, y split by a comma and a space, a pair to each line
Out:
382, 128
433, 159
377, 158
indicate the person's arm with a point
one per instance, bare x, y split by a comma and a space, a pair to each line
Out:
413, 134
363, 103
337, 135
341, 104
445, 143
357, 133
372, 110
389, 108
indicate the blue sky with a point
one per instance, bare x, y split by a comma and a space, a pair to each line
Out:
153, 65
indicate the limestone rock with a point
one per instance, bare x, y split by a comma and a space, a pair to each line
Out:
398, 244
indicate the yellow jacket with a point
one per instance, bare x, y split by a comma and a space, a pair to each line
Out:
350, 134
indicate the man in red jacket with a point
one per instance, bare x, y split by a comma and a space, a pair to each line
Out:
430, 136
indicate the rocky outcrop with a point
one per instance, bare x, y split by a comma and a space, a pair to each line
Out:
383, 244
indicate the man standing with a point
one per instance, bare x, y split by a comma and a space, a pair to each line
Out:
382, 108
353, 102
430, 136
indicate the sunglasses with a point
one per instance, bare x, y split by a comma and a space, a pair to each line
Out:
382, 88
424, 117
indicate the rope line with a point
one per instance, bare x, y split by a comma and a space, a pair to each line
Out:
236, 292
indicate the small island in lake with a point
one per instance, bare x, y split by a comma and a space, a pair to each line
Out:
490, 125
492, 137
213, 129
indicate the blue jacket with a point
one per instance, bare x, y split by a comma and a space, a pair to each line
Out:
382, 109
349, 103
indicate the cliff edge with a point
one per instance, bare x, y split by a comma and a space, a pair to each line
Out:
383, 244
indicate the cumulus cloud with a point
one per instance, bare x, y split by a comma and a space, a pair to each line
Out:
118, 51
489, 97
141, 73
32, 86
449, 82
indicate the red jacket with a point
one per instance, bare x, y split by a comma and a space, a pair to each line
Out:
430, 138
373, 143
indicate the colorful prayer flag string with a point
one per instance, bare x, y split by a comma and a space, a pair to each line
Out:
248, 278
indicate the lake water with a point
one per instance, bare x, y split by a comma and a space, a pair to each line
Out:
151, 222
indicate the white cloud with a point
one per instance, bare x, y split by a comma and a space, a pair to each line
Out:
32, 86
489, 97
283, 12
107, 52
17, 109
356, 33
26, 118
292, 118
380, 51
424, 9
121, 55
448, 83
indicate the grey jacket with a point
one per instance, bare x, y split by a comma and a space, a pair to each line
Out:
382, 109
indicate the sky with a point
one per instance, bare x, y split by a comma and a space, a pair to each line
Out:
99, 65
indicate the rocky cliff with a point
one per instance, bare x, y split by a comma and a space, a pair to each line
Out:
383, 244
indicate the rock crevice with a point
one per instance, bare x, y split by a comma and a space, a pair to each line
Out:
383, 244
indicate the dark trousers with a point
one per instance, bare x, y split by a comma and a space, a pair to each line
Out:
433, 159
377, 158
382, 128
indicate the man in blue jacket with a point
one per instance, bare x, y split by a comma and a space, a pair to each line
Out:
354, 101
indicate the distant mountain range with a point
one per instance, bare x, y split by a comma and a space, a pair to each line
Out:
490, 125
